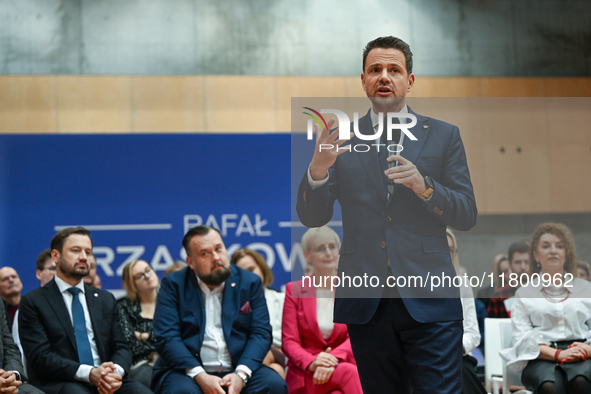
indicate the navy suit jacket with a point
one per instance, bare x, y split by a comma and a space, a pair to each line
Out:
179, 322
401, 229
48, 338
10, 356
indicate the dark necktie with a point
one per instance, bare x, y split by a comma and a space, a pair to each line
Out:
82, 342
392, 151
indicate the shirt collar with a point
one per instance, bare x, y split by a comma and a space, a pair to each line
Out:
374, 117
550, 289
63, 286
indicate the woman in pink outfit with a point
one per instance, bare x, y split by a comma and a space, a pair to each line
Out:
320, 359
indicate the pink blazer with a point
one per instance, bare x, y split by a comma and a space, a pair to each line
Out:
302, 340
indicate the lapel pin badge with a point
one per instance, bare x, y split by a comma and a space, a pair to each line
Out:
425, 126
233, 284
96, 295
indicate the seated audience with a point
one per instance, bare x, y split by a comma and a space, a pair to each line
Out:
583, 271
500, 265
471, 338
212, 325
70, 331
176, 266
588, 264
252, 261
92, 279
10, 290
519, 264
551, 322
319, 355
136, 312
45, 267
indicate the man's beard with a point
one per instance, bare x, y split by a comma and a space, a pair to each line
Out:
76, 273
386, 104
216, 277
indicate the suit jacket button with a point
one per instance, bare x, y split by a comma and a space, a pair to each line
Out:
388, 219
382, 244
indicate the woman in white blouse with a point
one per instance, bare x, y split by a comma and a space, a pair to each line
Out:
551, 318
471, 338
252, 261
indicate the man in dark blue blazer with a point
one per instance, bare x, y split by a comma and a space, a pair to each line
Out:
212, 325
70, 331
405, 338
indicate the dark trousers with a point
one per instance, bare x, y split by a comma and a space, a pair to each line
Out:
263, 381
397, 354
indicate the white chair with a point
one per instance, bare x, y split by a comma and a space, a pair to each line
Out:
510, 378
493, 363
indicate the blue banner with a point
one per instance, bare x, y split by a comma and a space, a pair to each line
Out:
138, 194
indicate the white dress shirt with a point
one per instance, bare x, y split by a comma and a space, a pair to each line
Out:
83, 372
325, 311
471, 337
16, 338
535, 320
275, 301
214, 353
375, 124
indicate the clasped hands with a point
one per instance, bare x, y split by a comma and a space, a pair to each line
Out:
8, 382
142, 336
323, 366
211, 384
105, 378
577, 351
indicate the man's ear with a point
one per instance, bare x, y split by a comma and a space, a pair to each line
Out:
55, 256
363, 82
411, 82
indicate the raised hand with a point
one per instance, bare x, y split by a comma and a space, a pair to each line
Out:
326, 150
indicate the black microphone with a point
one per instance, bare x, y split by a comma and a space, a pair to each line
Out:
392, 149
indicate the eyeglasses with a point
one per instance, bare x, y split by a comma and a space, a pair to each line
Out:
52, 268
145, 275
324, 248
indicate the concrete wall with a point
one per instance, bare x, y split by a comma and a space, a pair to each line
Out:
292, 37
295, 40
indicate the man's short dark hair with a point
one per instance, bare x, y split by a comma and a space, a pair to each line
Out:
42, 258
197, 230
59, 239
584, 267
390, 42
517, 247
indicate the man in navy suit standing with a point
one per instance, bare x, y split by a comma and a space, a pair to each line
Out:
212, 325
395, 208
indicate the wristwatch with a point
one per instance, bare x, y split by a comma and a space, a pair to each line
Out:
430, 188
17, 375
242, 375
